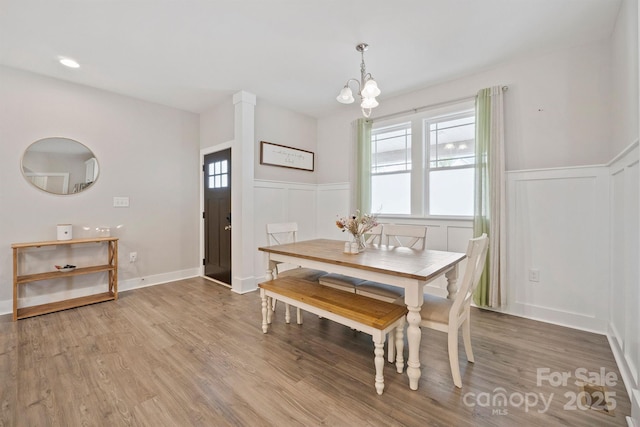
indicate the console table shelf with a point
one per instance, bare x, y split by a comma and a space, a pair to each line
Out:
37, 310
111, 267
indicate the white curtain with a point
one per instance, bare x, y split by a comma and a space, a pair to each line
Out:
489, 206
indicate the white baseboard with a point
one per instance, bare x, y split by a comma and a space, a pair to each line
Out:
157, 279
243, 285
555, 317
6, 306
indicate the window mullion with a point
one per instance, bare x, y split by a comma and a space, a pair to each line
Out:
417, 168
426, 142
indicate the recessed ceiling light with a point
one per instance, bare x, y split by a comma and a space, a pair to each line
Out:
68, 62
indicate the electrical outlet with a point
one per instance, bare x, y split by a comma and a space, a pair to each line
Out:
133, 256
534, 275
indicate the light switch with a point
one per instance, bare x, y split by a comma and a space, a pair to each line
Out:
120, 202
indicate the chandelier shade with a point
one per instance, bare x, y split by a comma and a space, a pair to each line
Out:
369, 103
346, 96
370, 89
367, 87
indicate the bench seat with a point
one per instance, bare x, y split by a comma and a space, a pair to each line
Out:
361, 313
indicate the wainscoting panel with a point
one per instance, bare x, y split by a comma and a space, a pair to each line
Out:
333, 202
558, 227
618, 263
632, 282
282, 202
624, 301
302, 208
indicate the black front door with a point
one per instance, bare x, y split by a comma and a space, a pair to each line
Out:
217, 216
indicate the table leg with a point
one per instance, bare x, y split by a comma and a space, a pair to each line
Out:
413, 337
272, 270
452, 282
272, 273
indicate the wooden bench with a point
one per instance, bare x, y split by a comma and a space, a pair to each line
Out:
358, 312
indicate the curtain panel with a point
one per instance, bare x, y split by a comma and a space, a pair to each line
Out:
489, 202
363, 167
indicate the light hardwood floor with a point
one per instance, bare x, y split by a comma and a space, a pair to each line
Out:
193, 353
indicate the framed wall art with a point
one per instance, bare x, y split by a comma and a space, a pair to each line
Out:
286, 157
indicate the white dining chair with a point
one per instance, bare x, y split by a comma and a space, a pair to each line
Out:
282, 233
348, 283
374, 236
412, 236
450, 315
409, 236
395, 235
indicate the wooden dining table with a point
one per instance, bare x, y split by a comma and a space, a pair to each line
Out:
410, 269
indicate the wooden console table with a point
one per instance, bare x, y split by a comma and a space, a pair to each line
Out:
111, 266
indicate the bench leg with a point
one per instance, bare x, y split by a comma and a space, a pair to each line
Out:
270, 302
299, 316
378, 360
399, 346
265, 310
391, 349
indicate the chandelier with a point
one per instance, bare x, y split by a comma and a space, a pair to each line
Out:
367, 87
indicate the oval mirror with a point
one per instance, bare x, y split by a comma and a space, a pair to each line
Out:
59, 166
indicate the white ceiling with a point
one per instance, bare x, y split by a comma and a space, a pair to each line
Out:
192, 54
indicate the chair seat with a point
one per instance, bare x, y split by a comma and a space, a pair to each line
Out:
381, 291
436, 309
340, 281
303, 273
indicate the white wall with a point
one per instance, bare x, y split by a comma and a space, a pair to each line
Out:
146, 152
624, 292
624, 60
285, 127
624, 295
216, 124
557, 111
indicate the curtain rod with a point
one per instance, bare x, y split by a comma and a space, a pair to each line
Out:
425, 107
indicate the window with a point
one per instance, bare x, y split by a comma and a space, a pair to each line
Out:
451, 166
391, 169
218, 174
434, 175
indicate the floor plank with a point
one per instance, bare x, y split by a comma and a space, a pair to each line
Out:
193, 353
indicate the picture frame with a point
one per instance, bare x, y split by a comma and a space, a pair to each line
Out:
286, 157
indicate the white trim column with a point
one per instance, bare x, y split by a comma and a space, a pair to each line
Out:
242, 199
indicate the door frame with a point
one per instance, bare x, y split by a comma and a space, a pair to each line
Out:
203, 153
